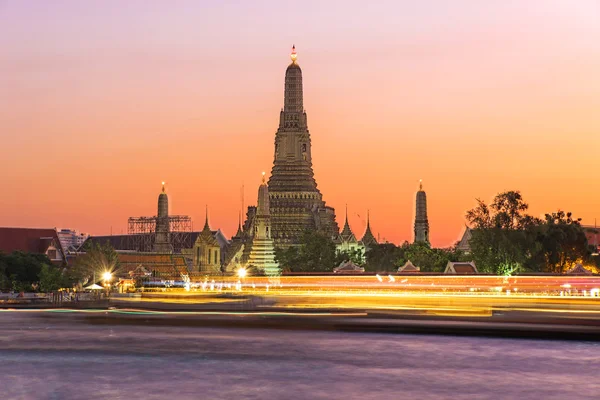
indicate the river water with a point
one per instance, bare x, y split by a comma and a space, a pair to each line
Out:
49, 359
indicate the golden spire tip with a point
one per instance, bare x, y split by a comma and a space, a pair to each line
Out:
293, 56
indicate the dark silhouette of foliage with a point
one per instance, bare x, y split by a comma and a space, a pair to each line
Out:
316, 253
506, 240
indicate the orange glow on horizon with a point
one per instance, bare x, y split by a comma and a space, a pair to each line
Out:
97, 106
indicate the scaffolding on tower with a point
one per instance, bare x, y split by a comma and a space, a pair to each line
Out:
141, 233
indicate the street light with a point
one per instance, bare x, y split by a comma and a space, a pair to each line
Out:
241, 273
106, 277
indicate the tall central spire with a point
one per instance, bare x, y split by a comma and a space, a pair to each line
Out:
295, 202
292, 141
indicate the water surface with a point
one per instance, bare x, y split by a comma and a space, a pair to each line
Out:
50, 359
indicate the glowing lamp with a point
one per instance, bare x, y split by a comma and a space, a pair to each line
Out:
107, 276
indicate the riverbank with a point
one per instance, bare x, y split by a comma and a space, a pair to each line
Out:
528, 325
561, 318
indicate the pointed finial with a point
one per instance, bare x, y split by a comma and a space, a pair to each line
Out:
239, 230
368, 217
293, 55
263, 177
420, 184
206, 220
163, 187
346, 222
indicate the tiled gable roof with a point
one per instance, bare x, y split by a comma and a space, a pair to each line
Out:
30, 240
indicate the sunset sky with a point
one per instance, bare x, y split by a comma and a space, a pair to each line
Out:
102, 100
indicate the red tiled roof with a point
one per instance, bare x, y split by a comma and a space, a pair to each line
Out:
464, 269
163, 265
145, 258
31, 240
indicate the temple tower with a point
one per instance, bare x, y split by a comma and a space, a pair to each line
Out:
296, 203
421, 222
162, 240
368, 238
207, 251
346, 241
262, 251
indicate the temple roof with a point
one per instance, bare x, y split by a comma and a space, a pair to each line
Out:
579, 270
348, 266
408, 267
463, 268
346, 235
206, 235
239, 232
30, 240
368, 238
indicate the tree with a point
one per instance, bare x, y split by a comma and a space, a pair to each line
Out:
316, 253
5, 282
563, 242
501, 240
505, 240
382, 257
429, 259
98, 259
21, 270
355, 256
507, 212
51, 279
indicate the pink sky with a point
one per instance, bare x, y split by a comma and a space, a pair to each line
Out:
102, 100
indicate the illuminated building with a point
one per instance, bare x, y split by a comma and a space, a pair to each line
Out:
71, 240
295, 202
421, 222
346, 241
207, 251
162, 241
261, 250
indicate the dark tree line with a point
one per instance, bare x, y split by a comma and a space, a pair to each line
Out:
506, 240
27, 272
317, 253
30, 272
387, 257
